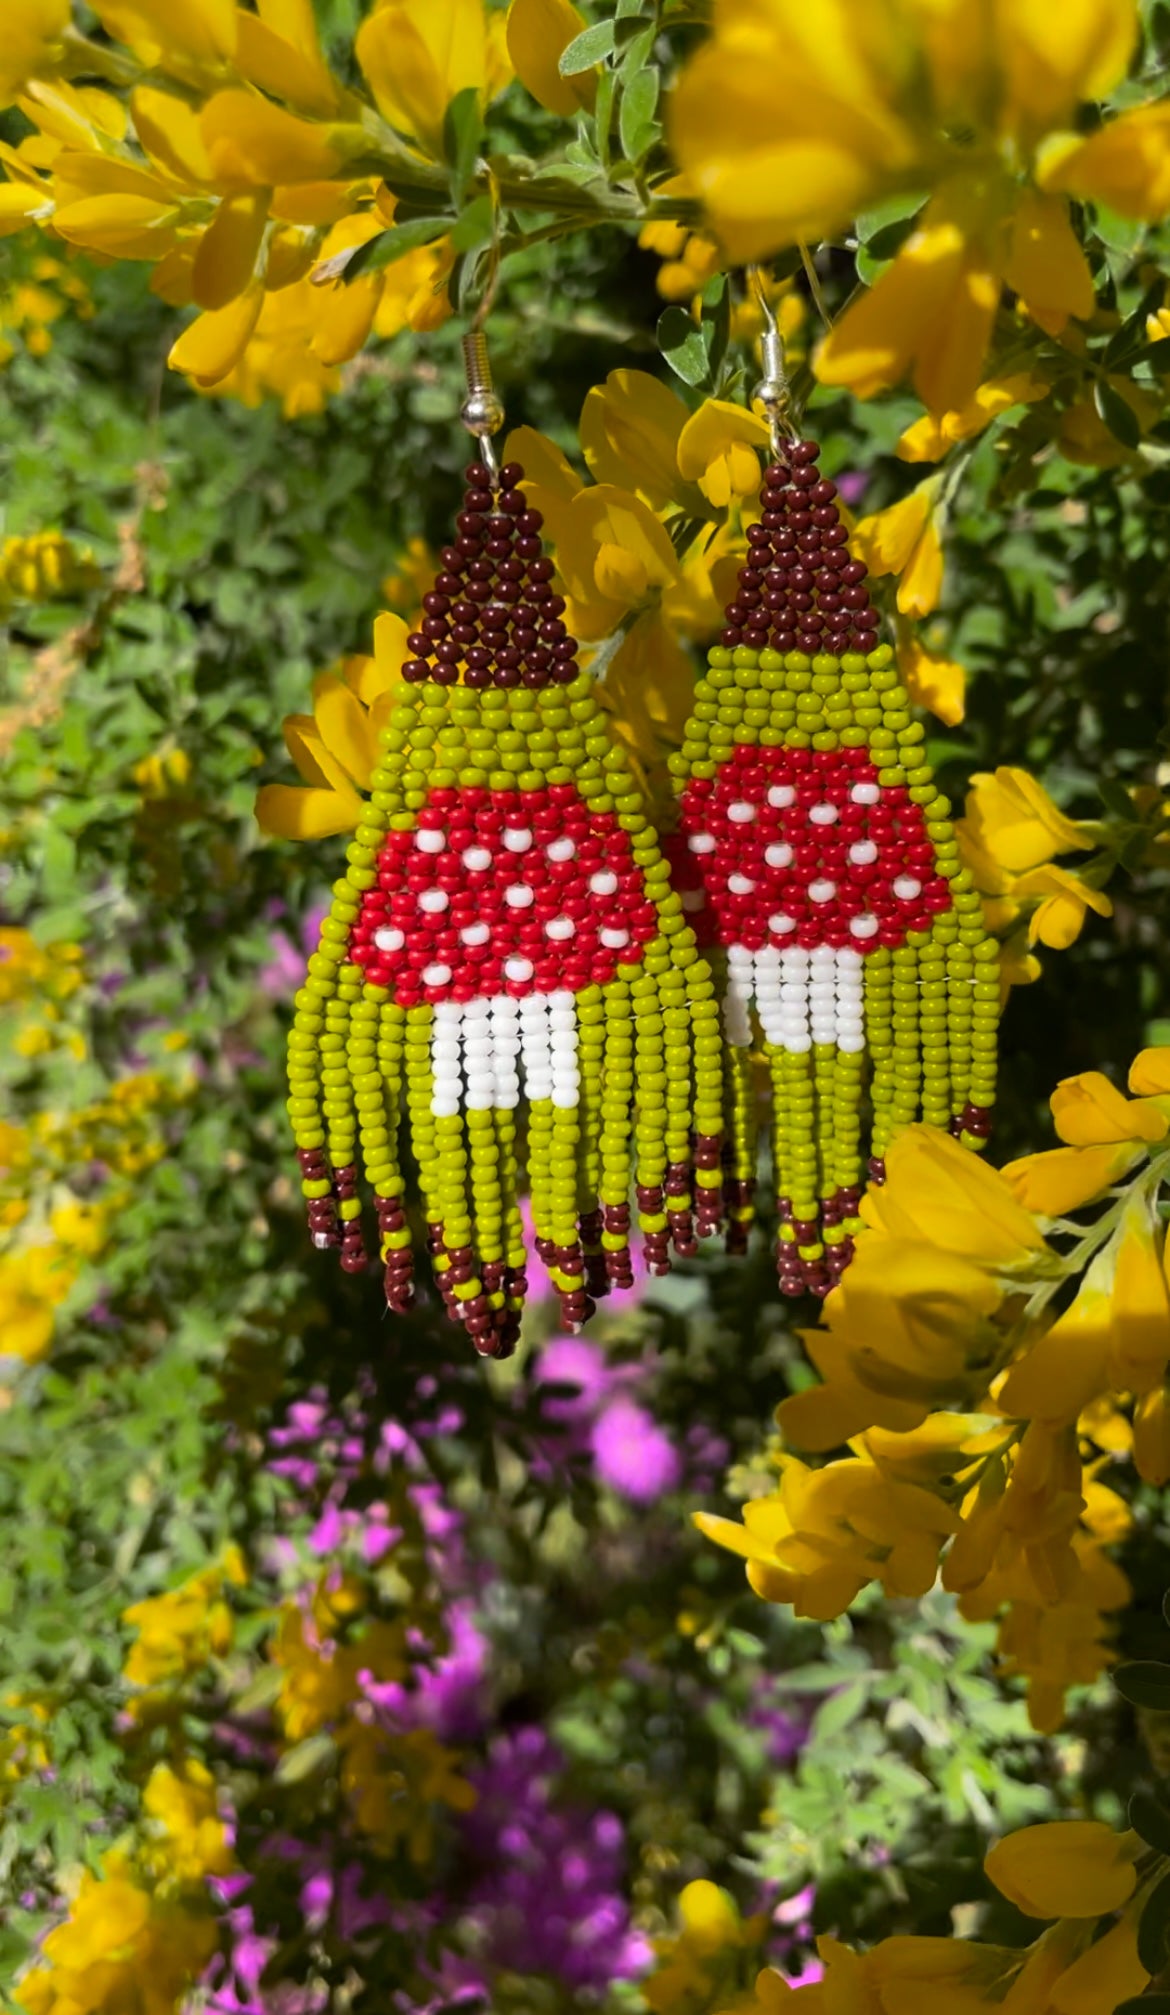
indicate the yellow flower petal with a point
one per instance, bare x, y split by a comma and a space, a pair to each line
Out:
126, 227
213, 344
1067, 1367
1067, 1868
1066, 1178
283, 70
1125, 164
169, 129
939, 684
1046, 265
226, 258
344, 726
416, 56
1151, 1437
545, 465
717, 449
630, 434
250, 140
935, 1190
885, 540
19, 202
292, 814
1052, 58
1009, 813
1087, 1111
539, 31
921, 585
1149, 1074
204, 30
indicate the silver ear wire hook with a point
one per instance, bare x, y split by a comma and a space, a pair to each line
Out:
772, 392
482, 411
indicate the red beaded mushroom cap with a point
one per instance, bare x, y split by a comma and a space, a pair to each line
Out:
496, 891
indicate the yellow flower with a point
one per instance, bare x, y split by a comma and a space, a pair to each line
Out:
630, 429
719, 449
1055, 1644
904, 540
1115, 1335
178, 1632
883, 100
189, 1840
120, 1947
1106, 1134
937, 1192
417, 55
1151, 1437
34, 1281
32, 37
539, 32
816, 1541
394, 1782
322, 1679
1061, 900
1007, 837
937, 683
928, 439
1064, 1868
335, 748
700, 1961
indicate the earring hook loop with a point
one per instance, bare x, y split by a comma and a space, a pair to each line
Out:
482, 411
773, 391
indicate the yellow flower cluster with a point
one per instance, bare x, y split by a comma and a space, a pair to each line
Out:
44, 567
976, 109
392, 1780
185, 1838
243, 170
1008, 838
122, 1946
179, 1631
973, 1411
1076, 1871
29, 307
700, 1963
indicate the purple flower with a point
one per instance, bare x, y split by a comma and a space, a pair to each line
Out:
633, 1454
287, 961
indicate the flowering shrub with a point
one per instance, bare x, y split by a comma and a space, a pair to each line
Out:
338, 1671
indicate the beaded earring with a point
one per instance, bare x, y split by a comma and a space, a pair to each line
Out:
818, 862
506, 919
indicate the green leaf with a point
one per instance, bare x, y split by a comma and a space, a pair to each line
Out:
1154, 1929
592, 46
683, 345
1117, 414
1157, 355
637, 125
305, 1758
474, 226
715, 322
839, 1711
1144, 2004
382, 251
462, 133
1151, 1819
1145, 1682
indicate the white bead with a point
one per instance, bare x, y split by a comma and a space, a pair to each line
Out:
864, 853
603, 883
478, 1045
389, 940
780, 921
822, 891
781, 795
428, 841
519, 896
517, 839
443, 1106
741, 812
851, 1044
559, 928
907, 887
778, 855
518, 969
561, 850
865, 794
614, 939
798, 1044
740, 885
436, 975
432, 901
849, 961
477, 859
864, 927
563, 998
823, 815
538, 1086
475, 934
701, 843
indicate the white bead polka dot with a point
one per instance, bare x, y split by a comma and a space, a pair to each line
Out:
477, 859
560, 928
907, 887
518, 896
561, 850
823, 815
389, 939
781, 795
517, 839
822, 891
432, 901
701, 843
865, 794
778, 855
863, 853
741, 813
475, 934
740, 885
604, 883
429, 841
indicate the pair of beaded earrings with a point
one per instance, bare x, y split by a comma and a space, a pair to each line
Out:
509, 921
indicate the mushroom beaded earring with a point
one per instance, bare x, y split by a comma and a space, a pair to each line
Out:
506, 924
819, 864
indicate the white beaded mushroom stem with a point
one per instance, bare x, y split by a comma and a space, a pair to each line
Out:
737, 1025
446, 1056
478, 1057
566, 1072
535, 1049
